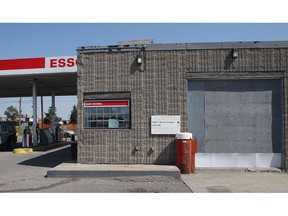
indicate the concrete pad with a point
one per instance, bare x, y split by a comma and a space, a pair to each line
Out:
76, 170
237, 181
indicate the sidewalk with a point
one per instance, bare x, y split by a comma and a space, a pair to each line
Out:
236, 181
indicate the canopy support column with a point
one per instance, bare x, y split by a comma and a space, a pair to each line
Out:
53, 115
34, 93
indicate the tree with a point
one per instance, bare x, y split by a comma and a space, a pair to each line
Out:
73, 116
48, 118
11, 112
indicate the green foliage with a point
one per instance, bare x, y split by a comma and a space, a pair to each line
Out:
11, 112
73, 116
48, 118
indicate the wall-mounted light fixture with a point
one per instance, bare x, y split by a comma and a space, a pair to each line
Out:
235, 53
139, 60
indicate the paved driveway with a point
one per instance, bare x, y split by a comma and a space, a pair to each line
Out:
26, 173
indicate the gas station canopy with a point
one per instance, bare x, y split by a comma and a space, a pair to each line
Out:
58, 73
39, 77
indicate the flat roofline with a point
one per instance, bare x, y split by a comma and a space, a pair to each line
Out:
186, 46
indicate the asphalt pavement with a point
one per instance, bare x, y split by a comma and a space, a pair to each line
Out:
27, 173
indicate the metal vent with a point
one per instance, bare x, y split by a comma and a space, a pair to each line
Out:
134, 42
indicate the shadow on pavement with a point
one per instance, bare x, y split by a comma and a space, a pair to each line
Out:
51, 159
4, 149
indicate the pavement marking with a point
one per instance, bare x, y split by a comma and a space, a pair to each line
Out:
22, 150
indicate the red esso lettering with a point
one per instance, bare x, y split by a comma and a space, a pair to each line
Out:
70, 62
62, 62
53, 63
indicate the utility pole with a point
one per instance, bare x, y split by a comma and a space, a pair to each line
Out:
20, 111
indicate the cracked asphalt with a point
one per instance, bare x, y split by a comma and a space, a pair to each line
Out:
26, 173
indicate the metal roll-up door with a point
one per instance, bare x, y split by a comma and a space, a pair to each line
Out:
237, 118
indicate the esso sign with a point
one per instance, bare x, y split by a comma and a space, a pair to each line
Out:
40, 65
63, 62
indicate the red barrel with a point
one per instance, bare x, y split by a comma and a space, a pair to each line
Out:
183, 152
194, 147
183, 155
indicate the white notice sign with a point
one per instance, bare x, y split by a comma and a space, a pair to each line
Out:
165, 124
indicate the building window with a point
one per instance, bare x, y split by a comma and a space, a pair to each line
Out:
107, 114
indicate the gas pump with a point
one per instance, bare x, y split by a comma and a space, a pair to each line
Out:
27, 135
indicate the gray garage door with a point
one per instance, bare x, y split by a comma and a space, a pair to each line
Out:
243, 116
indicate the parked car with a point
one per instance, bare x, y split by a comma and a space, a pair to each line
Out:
8, 136
63, 133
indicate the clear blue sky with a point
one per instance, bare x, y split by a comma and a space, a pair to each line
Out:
56, 39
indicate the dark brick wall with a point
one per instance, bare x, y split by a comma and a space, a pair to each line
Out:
158, 90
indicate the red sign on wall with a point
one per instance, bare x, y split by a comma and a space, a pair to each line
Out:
106, 103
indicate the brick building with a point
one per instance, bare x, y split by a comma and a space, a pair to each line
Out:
231, 95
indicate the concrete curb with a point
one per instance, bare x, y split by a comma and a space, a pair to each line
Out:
75, 170
187, 183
